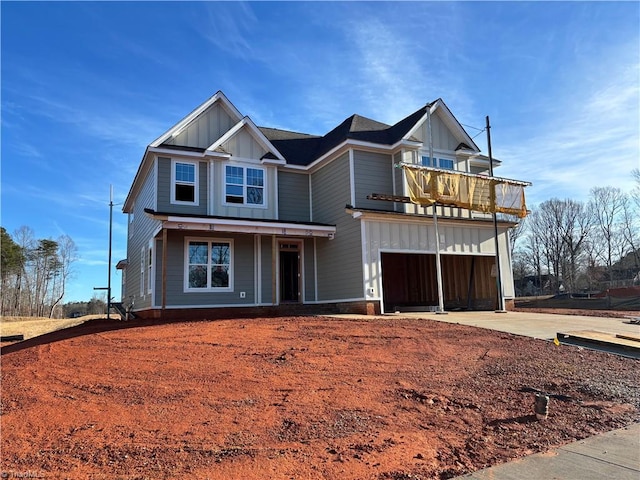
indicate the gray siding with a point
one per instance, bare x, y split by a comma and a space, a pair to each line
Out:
242, 145
373, 174
293, 196
208, 127
442, 137
164, 189
143, 228
339, 260
243, 272
267, 269
309, 278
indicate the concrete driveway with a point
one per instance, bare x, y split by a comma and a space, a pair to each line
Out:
536, 325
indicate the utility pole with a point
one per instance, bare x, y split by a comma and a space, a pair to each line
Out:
495, 224
110, 240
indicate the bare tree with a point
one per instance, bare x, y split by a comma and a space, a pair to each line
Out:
607, 205
67, 254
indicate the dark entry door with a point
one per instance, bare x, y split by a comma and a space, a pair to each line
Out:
289, 275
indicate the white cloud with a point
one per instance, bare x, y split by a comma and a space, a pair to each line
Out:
592, 140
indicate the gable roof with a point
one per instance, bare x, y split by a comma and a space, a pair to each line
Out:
182, 124
302, 149
254, 131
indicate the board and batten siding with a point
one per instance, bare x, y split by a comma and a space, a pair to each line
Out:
339, 260
208, 127
243, 262
143, 229
419, 237
442, 137
373, 174
243, 145
293, 196
164, 189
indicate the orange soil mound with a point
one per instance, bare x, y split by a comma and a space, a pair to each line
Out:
297, 398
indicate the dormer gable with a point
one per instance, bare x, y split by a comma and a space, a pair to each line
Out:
204, 125
447, 132
245, 140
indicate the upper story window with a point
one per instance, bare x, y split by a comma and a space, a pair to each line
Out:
444, 163
244, 185
184, 182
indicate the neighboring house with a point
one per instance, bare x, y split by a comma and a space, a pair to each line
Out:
227, 215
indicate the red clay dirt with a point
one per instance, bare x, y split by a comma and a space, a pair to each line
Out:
297, 398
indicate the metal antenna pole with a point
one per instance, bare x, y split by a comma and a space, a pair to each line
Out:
435, 225
495, 225
110, 240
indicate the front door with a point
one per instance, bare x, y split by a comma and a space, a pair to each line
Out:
290, 272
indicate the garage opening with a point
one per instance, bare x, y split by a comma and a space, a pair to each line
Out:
409, 282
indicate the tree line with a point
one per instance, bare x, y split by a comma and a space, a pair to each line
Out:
34, 273
573, 246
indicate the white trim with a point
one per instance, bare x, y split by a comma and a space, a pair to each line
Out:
210, 188
196, 189
143, 271
352, 179
315, 269
380, 284
187, 153
209, 240
358, 143
246, 226
365, 264
151, 266
257, 135
450, 121
300, 243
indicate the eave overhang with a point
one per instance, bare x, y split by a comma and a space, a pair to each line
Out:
211, 223
401, 217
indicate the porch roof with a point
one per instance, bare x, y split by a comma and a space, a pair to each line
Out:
214, 223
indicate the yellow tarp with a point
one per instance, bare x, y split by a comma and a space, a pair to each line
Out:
482, 194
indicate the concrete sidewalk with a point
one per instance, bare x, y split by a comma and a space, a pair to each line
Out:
612, 455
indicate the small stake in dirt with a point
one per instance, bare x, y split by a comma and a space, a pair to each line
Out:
541, 406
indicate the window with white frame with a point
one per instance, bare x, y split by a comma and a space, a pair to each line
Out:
150, 267
444, 163
208, 265
184, 182
142, 270
244, 185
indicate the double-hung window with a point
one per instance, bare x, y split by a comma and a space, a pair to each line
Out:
244, 185
184, 182
208, 265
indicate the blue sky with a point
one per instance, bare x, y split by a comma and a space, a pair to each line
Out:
86, 86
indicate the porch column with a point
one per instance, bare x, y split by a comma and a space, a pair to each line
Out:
274, 254
164, 270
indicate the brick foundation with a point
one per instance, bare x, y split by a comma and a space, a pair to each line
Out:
284, 310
